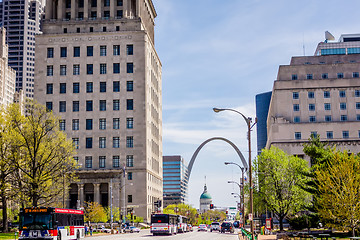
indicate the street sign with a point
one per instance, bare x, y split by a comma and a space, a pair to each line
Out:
250, 217
133, 206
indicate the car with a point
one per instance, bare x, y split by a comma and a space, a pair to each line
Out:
202, 227
215, 226
131, 229
103, 229
190, 227
227, 227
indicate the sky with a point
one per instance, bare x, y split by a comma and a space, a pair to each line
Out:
222, 54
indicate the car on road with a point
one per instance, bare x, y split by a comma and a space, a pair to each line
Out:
202, 227
131, 229
190, 227
227, 227
215, 226
103, 229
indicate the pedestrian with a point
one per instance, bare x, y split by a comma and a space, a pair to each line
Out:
86, 230
91, 230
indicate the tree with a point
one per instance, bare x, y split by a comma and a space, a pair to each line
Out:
339, 187
182, 209
116, 213
94, 212
280, 180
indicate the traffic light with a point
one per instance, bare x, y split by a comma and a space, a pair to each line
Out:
211, 206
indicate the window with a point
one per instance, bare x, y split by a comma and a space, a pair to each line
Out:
89, 87
358, 117
358, 105
313, 134
102, 142
343, 118
130, 176
324, 76
91, 28
129, 198
327, 106
76, 106
116, 50
65, 30
119, 2
119, 14
49, 88
129, 86
49, 106
345, 134
129, 160
116, 161
296, 107
102, 160
102, 68
340, 75
102, 123
295, 95
62, 70
102, 86
130, 68
89, 69
90, 51
129, 104
102, 50
355, 74
116, 123
76, 69
88, 162
62, 124
342, 106
49, 70
116, 142
63, 52
312, 119
357, 93
311, 107
89, 142
118, 27
76, 51
89, 105
129, 123
359, 134
309, 76
106, 3
130, 142
116, 105
62, 106
329, 135
62, 87
104, 28
75, 124
342, 94
327, 118
50, 52
76, 143
311, 95
76, 87
297, 135
89, 124
130, 49
102, 106
296, 119
116, 86
116, 68
326, 94
294, 77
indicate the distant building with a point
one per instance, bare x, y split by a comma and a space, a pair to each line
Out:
205, 200
175, 180
262, 109
318, 95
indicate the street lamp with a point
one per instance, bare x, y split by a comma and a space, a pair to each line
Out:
250, 126
242, 197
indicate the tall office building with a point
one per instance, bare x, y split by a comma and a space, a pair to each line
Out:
175, 180
262, 109
21, 18
318, 95
98, 70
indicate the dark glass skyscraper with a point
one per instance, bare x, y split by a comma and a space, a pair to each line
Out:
262, 109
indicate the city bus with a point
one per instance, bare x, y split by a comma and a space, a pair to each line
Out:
51, 223
163, 224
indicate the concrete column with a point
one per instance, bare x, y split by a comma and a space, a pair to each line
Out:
49, 9
86, 9
81, 194
97, 192
73, 8
98, 9
112, 13
60, 10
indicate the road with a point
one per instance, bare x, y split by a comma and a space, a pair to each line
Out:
145, 234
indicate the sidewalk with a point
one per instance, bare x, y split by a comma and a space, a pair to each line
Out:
266, 237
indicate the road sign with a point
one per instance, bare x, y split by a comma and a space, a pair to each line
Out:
132, 206
250, 217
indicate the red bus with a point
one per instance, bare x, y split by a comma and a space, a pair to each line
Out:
51, 223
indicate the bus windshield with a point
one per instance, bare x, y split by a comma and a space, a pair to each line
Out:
35, 221
160, 218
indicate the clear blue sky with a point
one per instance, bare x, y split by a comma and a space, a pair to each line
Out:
221, 54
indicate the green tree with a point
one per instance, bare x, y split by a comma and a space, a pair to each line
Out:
182, 209
94, 212
116, 213
339, 187
280, 182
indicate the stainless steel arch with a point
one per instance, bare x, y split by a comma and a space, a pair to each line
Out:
212, 139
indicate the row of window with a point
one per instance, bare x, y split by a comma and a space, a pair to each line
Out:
325, 75
89, 69
327, 106
327, 118
102, 161
93, 3
90, 107
102, 124
89, 87
90, 51
342, 94
102, 142
329, 134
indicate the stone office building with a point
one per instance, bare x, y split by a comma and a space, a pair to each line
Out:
98, 70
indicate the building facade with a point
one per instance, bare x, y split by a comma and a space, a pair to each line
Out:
21, 18
262, 109
98, 70
318, 95
175, 180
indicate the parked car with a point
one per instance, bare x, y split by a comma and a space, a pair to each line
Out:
190, 227
103, 229
215, 226
131, 229
202, 227
227, 227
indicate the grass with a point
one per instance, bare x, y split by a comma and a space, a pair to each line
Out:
6, 236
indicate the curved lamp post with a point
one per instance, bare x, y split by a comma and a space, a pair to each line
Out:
242, 197
249, 125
